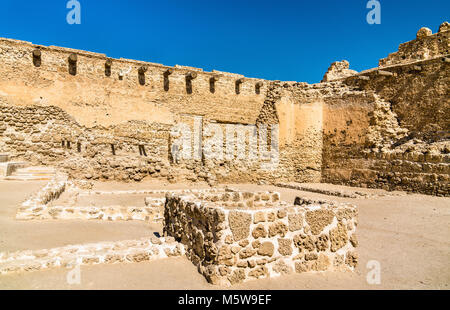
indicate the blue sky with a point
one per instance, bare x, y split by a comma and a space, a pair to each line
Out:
289, 40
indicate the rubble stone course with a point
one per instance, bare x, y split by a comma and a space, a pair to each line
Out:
231, 244
127, 251
385, 127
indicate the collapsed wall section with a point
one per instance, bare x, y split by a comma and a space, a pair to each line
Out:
426, 45
395, 135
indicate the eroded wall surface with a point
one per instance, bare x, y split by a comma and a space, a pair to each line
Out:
102, 118
396, 136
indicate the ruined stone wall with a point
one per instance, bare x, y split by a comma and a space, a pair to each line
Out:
300, 128
426, 45
395, 136
94, 96
418, 93
131, 151
115, 106
49, 136
386, 127
233, 237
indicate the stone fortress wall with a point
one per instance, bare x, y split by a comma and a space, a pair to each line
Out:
399, 139
102, 118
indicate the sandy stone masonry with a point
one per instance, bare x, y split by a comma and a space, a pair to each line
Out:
233, 237
337, 193
111, 119
43, 204
127, 251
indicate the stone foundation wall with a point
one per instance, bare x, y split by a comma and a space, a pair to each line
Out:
126, 251
234, 237
44, 205
393, 171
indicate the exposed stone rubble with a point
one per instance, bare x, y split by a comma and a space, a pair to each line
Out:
337, 71
127, 251
427, 45
39, 207
342, 130
337, 193
49, 192
241, 236
384, 129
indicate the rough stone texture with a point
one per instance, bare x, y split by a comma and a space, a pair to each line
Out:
278, 228
338, 237
259, 232
206, 222
295, 222
338, 70
426, 46
385, 127
285, 247
127, 251
318, 220
266, 249
239, 225
424, 32
445, 26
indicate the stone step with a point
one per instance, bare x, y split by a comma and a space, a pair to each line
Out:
23, 171
32, 173
49, 175
4, 158
8, 168
28, 178
36, 169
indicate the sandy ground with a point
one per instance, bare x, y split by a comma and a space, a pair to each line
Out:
33, 235
408, 235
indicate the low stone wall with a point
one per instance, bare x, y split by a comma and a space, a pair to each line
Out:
233, 237
49, 192
128, 251
38, 207
152, 213
338, 192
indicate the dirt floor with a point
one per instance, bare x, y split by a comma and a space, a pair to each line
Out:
408, 235
34, 235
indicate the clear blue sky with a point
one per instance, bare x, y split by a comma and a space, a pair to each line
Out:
290, 40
